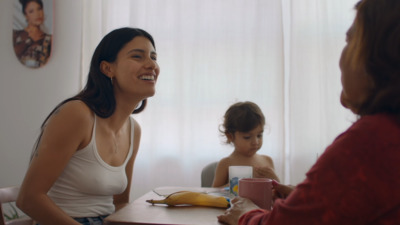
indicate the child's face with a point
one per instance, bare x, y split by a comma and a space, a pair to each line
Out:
248, 143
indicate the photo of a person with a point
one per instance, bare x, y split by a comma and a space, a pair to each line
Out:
32, 38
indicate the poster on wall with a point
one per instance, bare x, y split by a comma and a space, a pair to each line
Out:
32, 31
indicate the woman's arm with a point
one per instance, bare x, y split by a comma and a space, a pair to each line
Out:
122, 199
66, 131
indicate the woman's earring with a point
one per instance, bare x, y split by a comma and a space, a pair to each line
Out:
111, 81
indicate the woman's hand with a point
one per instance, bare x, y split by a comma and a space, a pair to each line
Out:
280, 190
239, 206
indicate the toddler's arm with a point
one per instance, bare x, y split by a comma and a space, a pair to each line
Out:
221, 178
267, 170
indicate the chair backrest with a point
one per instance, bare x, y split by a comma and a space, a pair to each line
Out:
207, 174
10, 194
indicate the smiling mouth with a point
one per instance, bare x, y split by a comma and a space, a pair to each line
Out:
148, 77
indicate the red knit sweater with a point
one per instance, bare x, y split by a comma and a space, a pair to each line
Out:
355, 181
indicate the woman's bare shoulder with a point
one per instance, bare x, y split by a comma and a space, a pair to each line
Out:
74, 112
76, 108
76, 105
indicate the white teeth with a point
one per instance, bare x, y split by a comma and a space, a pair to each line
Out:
147, 77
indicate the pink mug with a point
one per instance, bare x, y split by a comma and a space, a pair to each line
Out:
258, 190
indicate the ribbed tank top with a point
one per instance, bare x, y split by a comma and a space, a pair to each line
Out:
87, 185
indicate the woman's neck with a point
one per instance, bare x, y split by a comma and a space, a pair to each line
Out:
122, 112
34, 32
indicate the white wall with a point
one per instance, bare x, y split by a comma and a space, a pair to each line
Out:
27, 95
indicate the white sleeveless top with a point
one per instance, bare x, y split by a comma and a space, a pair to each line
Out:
87, 184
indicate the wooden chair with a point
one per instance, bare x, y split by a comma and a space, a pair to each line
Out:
9, 194
207, 174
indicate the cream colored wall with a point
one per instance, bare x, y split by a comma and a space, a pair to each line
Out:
27, 95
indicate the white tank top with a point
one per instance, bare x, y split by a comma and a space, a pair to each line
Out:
87, 184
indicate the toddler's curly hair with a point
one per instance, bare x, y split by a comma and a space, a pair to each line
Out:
242, 117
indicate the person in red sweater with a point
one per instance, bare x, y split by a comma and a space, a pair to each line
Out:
356, 180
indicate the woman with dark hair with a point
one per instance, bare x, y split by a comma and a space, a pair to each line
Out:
356, 180
82, 163
32, 45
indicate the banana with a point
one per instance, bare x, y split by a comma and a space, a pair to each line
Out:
192, 198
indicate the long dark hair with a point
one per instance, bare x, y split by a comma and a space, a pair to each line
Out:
98, 92
377, 46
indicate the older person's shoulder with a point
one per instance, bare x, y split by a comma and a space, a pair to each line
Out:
381, 121
371, 130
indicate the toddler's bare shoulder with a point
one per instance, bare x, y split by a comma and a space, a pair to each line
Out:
266, 158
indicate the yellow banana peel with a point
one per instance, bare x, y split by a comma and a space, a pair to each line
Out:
193, 198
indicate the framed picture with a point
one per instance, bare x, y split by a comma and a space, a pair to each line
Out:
33, 31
